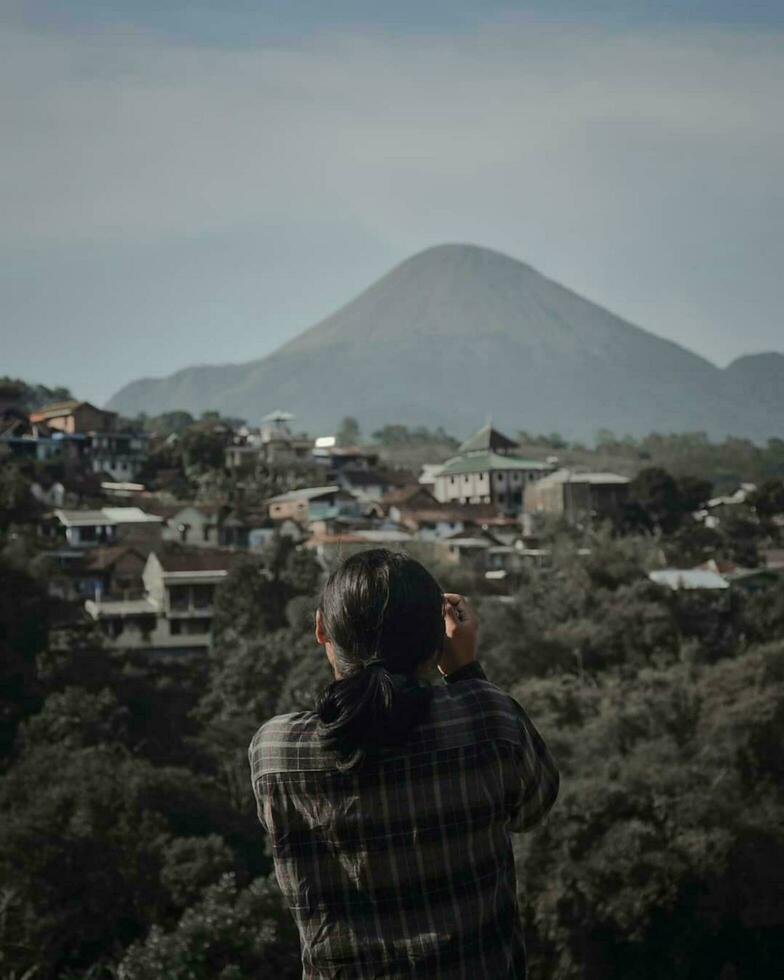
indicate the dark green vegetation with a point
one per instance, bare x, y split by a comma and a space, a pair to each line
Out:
27, 397
129, 845
457, 331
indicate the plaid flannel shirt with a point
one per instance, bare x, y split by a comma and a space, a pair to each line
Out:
404, 866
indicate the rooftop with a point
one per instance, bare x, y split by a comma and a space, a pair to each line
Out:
307, 493
576, 476
487, 438
483, 461
100, 559
197, 560
130, 515
54, 409
688, 578
82, 518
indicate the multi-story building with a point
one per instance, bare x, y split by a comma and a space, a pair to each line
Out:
118, 454
78, 431
175, 614
273, 443
313, 503
109, 525
487, 470
576, 494
75, 417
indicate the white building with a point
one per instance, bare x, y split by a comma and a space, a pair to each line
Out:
88, 528
175, 614
486, 470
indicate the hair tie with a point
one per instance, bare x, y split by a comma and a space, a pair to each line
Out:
374, 662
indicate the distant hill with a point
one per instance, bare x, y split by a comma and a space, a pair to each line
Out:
457, 333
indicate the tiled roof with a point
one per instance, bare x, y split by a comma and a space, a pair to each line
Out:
307, 493
487, 438
100, 559
195, 560
55, 409
482, 461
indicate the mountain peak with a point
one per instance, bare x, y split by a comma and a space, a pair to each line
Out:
457, 332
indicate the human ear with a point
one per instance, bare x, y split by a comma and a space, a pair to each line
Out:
321, 635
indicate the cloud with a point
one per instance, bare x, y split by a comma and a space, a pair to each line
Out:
642, 167
127, 135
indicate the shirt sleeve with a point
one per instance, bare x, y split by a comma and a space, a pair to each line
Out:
255, 781
538, 775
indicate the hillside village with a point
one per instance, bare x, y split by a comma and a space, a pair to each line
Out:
126, 542
159, 577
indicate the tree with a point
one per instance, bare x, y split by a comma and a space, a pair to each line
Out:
659, 501
230, 934
645, 867
768, 499
23, 635
348, 433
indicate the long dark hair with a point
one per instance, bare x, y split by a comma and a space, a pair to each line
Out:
382, 612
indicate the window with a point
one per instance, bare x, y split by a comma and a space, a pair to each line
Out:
175, 627
179, 598
202, 596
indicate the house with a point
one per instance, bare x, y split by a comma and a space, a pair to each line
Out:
679, 579
75, 417
242, 528
335, 458
416, 509
366, 483
109, 525
719, 508
194, 524
312, 503
272, 442
113, 571
103, 572
574, 494
175, 613
118, 454
410, 497
25, 439
132, 524
82, 528
486, 470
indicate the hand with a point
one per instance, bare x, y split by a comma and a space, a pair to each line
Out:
460, 626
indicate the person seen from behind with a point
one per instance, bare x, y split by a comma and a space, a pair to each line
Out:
390, 808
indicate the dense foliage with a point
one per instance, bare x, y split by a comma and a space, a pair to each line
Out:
129, 844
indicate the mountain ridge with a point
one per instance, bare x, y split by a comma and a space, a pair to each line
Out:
457, 331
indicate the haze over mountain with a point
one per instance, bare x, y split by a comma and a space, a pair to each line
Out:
457, 333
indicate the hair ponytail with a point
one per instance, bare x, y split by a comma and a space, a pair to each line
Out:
382, 612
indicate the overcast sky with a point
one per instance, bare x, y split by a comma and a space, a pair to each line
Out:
197, 182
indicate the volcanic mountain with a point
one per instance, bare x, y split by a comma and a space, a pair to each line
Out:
457, 333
